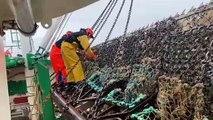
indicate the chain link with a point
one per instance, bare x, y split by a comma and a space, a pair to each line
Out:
108, 13
96, 25
120, 46
114, 23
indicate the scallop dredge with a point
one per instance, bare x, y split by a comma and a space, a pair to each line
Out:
161, 71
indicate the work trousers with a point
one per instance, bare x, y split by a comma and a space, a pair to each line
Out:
58, 65
74, 68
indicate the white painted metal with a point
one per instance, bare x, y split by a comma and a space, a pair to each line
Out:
44, 10
50, 32
49, 8
4, 96
23, 14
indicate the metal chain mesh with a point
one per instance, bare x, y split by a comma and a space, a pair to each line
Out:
95, 26
120, 46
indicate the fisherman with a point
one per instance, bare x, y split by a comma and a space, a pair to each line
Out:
57, 61
77, 41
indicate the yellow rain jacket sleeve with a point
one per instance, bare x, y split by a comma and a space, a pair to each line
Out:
85, 44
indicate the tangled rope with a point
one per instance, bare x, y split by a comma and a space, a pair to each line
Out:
180, 101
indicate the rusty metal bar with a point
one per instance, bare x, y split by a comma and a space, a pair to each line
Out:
107, 110
87, 99
67, 109
86, 93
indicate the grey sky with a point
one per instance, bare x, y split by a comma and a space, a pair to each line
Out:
144, 12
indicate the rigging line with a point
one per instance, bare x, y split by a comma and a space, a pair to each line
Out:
55, 33
96, 22
110, 32
64, 26
58, 37
106, 16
